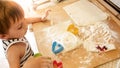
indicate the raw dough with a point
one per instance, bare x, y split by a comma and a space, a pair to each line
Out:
68, 40
85, 13
60, 34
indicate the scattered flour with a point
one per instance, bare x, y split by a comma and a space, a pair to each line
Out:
98, 37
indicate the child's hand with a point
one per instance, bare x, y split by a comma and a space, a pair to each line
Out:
38, 62
45, 15
32, 20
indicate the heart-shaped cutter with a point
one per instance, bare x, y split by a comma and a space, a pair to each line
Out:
57, 64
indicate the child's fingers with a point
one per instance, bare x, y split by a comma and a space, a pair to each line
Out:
47, 65
46, 13
43, 57
47, 62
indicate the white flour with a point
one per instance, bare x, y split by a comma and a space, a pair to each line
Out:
98, 35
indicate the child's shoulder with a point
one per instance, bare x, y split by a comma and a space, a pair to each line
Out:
16, 42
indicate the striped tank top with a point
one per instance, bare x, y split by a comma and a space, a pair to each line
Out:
28, 51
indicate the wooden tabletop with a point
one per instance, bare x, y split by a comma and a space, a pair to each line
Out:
58, 15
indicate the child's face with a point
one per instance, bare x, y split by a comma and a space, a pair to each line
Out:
18, 29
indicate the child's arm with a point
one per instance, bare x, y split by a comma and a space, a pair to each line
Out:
38, 62
14, 53
38, 19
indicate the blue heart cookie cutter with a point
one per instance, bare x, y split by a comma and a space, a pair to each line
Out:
59, 47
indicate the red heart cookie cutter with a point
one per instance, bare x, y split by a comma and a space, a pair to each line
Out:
57, 64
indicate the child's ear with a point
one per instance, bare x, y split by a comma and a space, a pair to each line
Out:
3, 36
0, 36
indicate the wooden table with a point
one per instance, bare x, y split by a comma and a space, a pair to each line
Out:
58, 15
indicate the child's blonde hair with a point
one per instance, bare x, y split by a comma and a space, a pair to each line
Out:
9, 12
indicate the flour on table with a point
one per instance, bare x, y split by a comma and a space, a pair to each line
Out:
60, 34
100, 38
51, 32
95, 38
